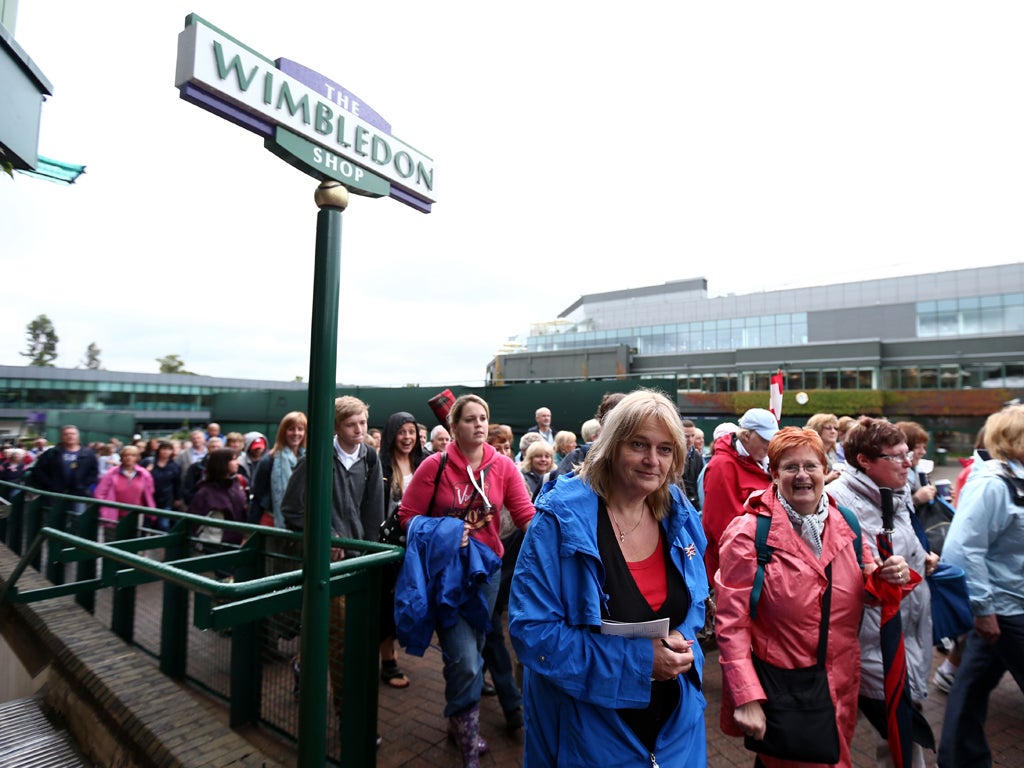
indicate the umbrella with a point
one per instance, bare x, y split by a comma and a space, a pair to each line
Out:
899, 712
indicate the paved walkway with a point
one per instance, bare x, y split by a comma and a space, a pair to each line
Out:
414, 734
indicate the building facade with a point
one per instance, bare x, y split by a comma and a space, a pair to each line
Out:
150, 401
951, 330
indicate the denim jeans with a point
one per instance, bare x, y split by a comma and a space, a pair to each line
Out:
461, 646
498, 662
963, 743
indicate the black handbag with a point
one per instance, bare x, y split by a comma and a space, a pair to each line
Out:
800, 714
391, 530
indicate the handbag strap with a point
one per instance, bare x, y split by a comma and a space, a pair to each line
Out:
826, 614
437, 479
764, 554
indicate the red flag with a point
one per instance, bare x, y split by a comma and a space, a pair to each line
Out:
775, 396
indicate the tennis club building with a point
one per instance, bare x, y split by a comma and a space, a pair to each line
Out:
954, 330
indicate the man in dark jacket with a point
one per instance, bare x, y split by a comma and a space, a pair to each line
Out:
693, 465
68, 467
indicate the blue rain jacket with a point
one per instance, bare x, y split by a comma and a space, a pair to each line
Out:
575, 678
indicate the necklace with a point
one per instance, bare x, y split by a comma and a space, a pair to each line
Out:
624, 534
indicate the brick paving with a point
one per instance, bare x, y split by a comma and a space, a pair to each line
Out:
414, 735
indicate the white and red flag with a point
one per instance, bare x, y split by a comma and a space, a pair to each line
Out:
775, 396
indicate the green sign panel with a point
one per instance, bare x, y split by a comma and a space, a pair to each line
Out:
322, 164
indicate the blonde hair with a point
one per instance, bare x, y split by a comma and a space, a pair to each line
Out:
347, 406
621, 424
460, 404
819, 421
537, 446
563, 438
1004, 434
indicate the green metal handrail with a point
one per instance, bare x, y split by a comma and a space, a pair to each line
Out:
218, 605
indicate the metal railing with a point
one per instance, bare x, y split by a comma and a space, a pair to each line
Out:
245, 600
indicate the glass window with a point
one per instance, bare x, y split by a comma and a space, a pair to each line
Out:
929, 377
830, 379
970, 320
812, 379
890, 378
927, 325
866, 378
949, 377
990, 320
794, 380
726, 382
910, 379
948, 323
1013, 319
848, 378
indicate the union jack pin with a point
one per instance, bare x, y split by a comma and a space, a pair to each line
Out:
690, 551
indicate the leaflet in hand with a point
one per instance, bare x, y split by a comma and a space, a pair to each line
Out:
656, 628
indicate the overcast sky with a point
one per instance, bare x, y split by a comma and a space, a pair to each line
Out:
579, 148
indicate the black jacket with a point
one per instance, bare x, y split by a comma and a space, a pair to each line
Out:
47, 472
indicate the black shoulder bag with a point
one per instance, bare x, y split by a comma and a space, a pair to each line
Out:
800, 714
391, 530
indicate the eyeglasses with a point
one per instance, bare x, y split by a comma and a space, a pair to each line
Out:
899, 458
792, 469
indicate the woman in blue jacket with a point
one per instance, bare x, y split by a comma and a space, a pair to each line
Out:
617, 543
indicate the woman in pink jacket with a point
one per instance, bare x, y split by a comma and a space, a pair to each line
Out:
128, 484
808, 533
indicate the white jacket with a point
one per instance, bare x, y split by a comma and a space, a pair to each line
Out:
858, 492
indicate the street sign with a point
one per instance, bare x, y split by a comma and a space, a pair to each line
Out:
226, 77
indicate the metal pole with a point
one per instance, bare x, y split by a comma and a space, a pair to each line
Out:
332, 198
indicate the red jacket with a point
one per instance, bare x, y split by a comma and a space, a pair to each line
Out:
728, 481
789, 612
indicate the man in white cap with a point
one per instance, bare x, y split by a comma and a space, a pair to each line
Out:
739, 467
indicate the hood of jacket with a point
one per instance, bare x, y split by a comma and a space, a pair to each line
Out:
456, 458
387, 442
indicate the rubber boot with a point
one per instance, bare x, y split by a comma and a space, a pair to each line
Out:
465, 729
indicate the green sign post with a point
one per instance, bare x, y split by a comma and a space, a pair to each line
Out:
325, 131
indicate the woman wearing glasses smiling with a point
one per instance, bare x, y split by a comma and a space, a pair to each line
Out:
878, 457
810, 539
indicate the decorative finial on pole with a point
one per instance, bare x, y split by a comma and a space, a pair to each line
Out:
331, 194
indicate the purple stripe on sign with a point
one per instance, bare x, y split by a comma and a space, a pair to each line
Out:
411, 200
228, 111
334, 93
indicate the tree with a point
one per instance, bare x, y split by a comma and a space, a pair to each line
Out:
92, 358
42, 342
173, 364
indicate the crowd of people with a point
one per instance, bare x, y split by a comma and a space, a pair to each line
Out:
622, 555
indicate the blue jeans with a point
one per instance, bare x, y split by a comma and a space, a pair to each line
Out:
963, 743
461, 646
498, 662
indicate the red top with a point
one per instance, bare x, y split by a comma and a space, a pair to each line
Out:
650, 577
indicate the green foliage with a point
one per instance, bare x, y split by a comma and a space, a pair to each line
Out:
173, 364
42, 342
852, 402
92, 358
